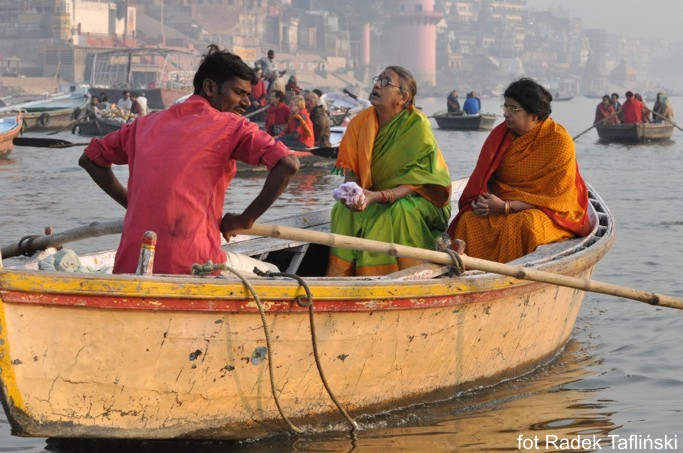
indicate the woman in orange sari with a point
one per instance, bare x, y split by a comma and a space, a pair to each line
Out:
526, 189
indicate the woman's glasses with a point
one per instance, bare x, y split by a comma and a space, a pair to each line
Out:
510, 108
384, 81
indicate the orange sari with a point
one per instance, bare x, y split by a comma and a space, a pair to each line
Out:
538, 168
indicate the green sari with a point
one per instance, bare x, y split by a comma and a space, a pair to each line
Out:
404, 152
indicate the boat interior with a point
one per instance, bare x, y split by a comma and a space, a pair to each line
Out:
307, 259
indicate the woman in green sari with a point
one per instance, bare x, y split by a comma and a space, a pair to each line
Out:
389, 151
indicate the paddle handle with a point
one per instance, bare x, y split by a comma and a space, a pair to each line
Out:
519, 272
667, 120
599, 122
94, 229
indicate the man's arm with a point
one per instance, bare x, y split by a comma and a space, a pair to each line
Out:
105, 178
275, 184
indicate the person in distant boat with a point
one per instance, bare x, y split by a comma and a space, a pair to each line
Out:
662, 109
93, 109
142, 100
181, 162
632, 110
104, 101
135, 107
292, 85
645, 112
472, 104
614, 99
277, 114
319, 118
299, 131
270, 72
526, 189
452, 102
390, 154
124, 103
605, 113
259, 91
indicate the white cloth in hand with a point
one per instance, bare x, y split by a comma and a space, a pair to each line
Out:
349, 193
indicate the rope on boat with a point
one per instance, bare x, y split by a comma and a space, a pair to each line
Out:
208, 268
24, 245
307, 301
457, 266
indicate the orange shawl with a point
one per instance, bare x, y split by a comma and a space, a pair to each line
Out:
545, 175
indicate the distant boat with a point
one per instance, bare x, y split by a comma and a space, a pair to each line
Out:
341, 107
163, 75
10, 127
634, 133
563, 97
458, 121
52, 113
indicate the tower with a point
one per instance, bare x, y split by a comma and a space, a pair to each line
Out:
412, 41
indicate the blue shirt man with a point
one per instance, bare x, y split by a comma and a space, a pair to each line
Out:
472, 104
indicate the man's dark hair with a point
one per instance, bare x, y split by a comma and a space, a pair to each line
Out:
279, 94
221, 66
318, 92
616, 95
531, 96
629, 94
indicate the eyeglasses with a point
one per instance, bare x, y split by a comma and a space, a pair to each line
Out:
510, 108
384, 81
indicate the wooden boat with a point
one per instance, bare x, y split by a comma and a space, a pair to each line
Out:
309, 159
458, 121
98, 126
10, 127
53, 113
154, 357
163, 75
341, 107
634, 133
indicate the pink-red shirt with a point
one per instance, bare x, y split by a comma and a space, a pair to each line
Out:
181, 162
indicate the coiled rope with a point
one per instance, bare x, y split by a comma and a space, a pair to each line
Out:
307, 301
458, 266
209, 268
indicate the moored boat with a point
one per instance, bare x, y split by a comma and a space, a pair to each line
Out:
459, 121
634, 133
52, 113
126, 356
98, 125
10, 127
163, 75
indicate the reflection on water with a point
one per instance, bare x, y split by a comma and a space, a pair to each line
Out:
621, 373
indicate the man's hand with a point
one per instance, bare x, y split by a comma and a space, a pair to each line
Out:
232, 222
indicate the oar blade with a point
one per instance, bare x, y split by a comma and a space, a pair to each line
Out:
39, 142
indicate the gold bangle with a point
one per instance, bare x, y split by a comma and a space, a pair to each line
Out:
507, 208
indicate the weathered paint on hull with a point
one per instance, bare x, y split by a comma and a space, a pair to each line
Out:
165, 358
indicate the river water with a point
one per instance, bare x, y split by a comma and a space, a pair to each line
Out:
621, 374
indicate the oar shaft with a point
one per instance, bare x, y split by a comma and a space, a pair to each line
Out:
519, 272
667, 120
94, 229
599, 122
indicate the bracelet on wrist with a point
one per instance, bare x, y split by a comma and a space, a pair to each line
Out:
507, 208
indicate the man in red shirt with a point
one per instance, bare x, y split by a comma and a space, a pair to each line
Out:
278, 113
181, 162
632, 110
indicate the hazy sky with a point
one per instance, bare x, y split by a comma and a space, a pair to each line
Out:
650, 18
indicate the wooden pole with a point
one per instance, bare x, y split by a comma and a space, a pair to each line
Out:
667, 120
519, 272
599, 122
92, 230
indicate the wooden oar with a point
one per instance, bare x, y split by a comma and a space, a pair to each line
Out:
667, 120
324, 151
41, 142
92, 230
599, 122
256, 112
519, 272
97, 229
